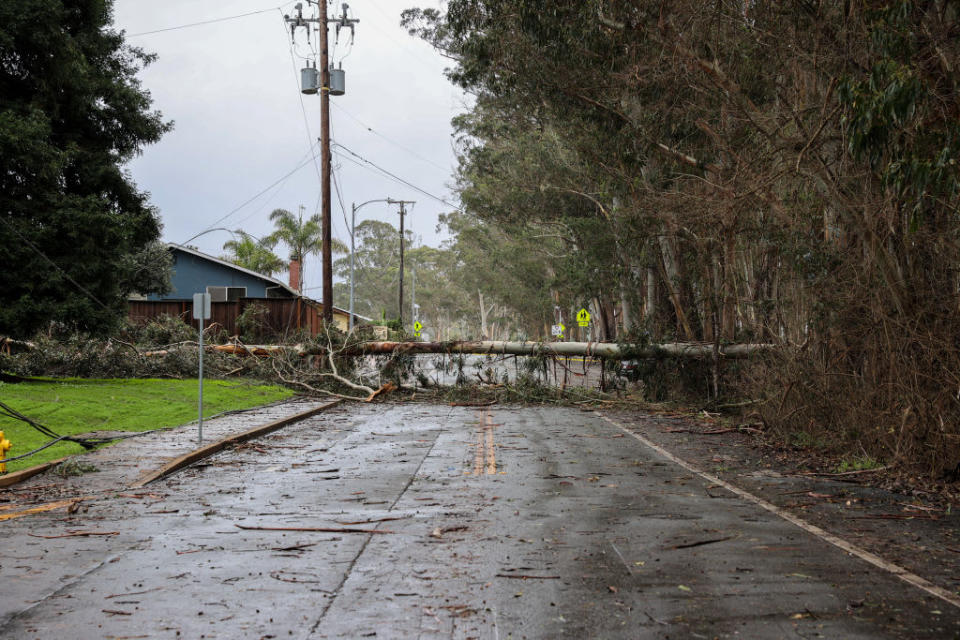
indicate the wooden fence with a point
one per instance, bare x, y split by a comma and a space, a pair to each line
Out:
284, 315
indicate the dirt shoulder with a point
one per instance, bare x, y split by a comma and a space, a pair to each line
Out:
906, 523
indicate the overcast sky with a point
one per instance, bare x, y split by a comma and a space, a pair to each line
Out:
241, 124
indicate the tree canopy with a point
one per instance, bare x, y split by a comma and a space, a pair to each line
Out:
72, 112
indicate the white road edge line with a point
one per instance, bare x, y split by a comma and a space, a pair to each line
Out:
863, 554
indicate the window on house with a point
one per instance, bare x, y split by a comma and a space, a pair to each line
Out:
226, 294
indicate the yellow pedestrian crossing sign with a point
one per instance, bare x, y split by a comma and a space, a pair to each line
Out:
583, 318
417, 328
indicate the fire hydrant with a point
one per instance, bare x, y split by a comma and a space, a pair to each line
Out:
5, 446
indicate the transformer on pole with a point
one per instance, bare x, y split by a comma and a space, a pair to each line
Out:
309, 85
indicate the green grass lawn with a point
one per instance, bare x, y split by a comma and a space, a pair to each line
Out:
73, 406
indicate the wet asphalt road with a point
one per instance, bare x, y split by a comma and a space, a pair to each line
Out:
457, 523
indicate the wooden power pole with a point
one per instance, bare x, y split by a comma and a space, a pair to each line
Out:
321, 22
326, 231
403, 212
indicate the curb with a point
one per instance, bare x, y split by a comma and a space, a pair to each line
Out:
11, 479
208, 450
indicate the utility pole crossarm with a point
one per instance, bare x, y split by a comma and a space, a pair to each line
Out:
322, 21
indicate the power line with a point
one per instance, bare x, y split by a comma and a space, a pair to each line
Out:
198, 24
393, 142
55, 265
299, 166
336, 184
303, 108
395, 176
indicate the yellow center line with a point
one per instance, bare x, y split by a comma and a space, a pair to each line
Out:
491, 450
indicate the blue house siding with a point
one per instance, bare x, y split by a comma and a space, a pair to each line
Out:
193, 274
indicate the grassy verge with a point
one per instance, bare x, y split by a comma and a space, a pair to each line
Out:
74, 406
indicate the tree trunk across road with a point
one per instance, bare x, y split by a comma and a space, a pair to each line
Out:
596, 349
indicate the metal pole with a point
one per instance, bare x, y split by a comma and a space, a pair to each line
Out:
353, 226
413, 293
325, 164
402, 211
200, 392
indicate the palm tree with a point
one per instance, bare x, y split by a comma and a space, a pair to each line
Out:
253, 254
302, 237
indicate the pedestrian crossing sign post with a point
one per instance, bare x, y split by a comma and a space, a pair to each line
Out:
417, 328
583, 318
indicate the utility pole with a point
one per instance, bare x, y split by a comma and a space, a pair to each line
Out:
403, 212
326, 226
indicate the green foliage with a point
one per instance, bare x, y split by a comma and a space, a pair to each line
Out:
72, 113
72, 407
859, 463
256, 255
252, 323
161, 331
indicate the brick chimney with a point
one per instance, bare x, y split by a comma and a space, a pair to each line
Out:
295, 275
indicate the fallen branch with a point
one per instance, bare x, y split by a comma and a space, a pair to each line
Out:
385, 388
77, 534
524, 576
315, 529
690, 545
388, 519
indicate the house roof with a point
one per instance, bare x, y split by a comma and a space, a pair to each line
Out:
274, 281
236, 267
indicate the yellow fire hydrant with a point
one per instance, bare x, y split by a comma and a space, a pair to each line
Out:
5, 446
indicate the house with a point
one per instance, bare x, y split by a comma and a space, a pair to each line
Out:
232, 289
198, 272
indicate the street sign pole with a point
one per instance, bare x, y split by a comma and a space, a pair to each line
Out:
200, 390
201, 311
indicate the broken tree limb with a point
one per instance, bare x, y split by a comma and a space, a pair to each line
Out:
316, 529
587, 349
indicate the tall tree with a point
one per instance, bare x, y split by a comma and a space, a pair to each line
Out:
302, 237
254, 254
72, 112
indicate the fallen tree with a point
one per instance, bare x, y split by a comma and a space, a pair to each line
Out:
587, 349
702, 350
